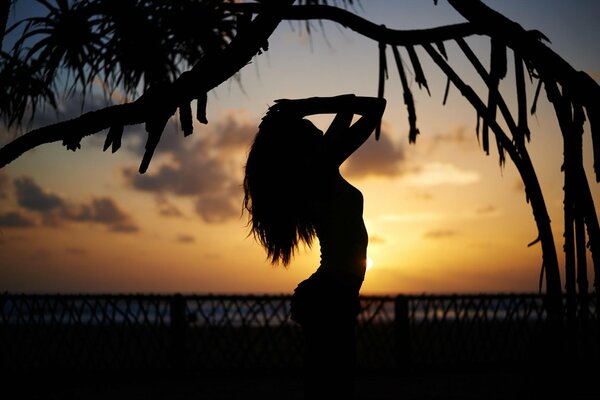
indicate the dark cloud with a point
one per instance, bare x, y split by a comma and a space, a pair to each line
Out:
376, 239
424, 196
233, 133
76, 251
185, 239
217, 208
201, 175
5, 186
487, 210
15, 219
104, 211
41, 255
519, 186
206, 169
124, 227
166, 208
376, 158
56, 211
33, 197
440, 234
458, 137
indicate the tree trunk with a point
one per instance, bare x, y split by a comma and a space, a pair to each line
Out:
525, 167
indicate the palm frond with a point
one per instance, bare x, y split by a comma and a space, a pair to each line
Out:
408, 98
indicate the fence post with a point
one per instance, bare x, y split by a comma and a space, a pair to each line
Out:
178, 332
401, 332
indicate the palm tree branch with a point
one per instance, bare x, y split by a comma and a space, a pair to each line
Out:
159, 104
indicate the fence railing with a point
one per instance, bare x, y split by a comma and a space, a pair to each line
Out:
219, 331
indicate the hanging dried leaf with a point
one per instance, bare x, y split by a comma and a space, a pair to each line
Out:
201, 108
383, 75
419, 75
578, 117
446, 91
541, 282
501, 153
534, 241
592, 110
497, 72
442, 49
536, 96
113, 137
408, 98
155, 129
523, 129
478, 126
185, 118
485, 137
72, 143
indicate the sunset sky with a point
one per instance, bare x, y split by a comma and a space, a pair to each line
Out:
442, 216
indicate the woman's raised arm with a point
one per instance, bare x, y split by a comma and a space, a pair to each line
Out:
342, 137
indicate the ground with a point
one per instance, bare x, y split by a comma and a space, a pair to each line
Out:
266, 385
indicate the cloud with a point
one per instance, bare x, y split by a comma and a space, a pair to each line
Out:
233, 133
376, 239
75, 251
124, 227
166, 208
486, 211
412, 217
207, 169
183, 238
41, 255
104, 211
198, 176
459, 137
440, 234
376, 158
218, 207
5, 186
15, 219
427, 216
32, 197
519, 186
55, 210
437, 173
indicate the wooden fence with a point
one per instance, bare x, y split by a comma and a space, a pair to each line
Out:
211, 332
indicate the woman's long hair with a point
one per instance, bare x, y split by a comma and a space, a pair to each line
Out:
279, 183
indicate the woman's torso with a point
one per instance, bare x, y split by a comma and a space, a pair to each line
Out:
341, 230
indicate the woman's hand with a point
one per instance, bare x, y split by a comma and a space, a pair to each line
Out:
287, 107
313, 105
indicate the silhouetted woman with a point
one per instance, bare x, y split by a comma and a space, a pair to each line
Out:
294, 192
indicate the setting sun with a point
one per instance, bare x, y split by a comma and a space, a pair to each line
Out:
369, 263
